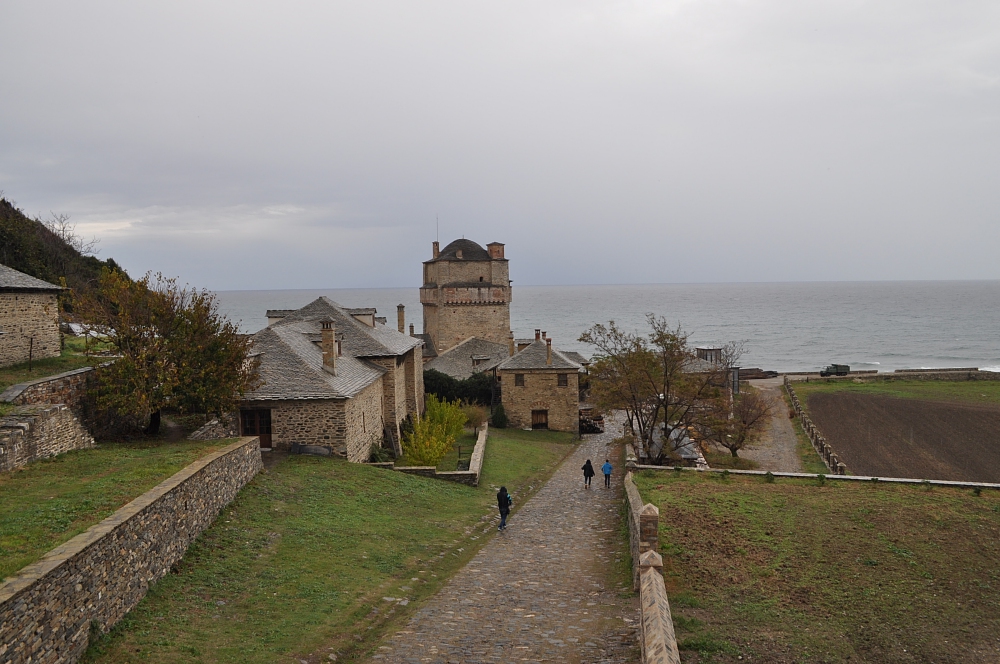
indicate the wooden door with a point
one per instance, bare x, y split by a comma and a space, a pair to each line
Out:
257, 422
539, 419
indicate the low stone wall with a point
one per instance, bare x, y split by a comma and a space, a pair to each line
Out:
218, 428
37, 432
69, 388
822, 446
469, 477
659, 644
47, 610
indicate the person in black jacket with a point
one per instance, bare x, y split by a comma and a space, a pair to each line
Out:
504, 502
588, 472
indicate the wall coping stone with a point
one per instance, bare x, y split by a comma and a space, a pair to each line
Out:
470, 476
14, 391
29, 574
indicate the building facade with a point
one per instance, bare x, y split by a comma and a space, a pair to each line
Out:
540, 388
335, 378
29, 318
466, 293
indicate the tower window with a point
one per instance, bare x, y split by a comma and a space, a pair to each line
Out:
563, 380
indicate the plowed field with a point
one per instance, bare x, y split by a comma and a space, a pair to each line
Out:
894, 437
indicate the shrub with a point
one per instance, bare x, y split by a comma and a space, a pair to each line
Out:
434, 434
499, 419
475, 414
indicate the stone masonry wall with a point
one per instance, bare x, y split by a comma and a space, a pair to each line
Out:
541, 392
364, 422
68, 388
27, 315
39, 431
306, 422
414, 367
46, 611
449, 325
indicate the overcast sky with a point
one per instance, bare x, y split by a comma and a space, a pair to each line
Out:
251, 145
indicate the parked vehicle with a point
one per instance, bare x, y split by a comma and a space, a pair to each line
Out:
835, 370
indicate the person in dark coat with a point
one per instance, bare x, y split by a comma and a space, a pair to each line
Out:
504, 502
588, 472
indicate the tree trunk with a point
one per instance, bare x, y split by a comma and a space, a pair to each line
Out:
734, 451
154, 424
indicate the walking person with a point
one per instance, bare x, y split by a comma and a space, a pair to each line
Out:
606, 468
504, 502
588, 472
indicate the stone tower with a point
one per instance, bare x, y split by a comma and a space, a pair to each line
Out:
466, 293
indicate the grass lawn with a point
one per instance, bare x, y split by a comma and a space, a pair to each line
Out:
467, 441
48, 502
724, 459
72, 357
985, 392
319, 556
799, 571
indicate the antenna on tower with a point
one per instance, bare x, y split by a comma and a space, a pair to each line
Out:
437, 229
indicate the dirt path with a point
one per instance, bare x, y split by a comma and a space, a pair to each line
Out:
543, 590
777, 449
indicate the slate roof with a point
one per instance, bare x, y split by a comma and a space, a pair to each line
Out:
533, 357
11, 279
575, 357
429, 350
458, 361
291, 362
470, 252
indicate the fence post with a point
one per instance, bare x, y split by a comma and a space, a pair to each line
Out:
649, 528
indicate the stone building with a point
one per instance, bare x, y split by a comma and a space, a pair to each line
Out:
466, 293
29, 318
333, 378
469, 357
540, 387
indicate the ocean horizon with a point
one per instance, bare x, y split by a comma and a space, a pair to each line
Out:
787, 326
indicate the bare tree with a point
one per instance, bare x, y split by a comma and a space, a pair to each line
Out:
60, 226
738, 427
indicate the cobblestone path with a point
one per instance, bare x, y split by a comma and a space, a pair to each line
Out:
544, 590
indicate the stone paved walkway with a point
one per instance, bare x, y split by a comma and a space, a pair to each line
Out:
543, 590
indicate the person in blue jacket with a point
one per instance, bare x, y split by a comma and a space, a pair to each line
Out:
607, 473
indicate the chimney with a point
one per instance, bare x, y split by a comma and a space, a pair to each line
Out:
411, 330
329, 346
437, 248
496, 250
401, 318
538, 334
548, 351
543, 334
512, 347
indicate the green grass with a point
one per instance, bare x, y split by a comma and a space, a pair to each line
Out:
804, 571
985, 392
723, 459
450, 460
298, 566
72, 357
48, 502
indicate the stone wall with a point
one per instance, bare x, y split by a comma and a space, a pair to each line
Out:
306, 422
39, 431
659, 644
450, 324
68, 388
541, 391
364, 422
469, 477
820, 443
26, 315
47, 610
909, 375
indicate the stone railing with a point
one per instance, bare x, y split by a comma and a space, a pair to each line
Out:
69, 388
822, 446
94, 579
37, 432
469, 477
659, 645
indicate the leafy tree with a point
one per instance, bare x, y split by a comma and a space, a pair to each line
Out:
499, 419
434, 435
478, 388
657, 380
174, 351
739, 425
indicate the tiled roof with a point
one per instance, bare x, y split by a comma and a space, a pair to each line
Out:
534, 356
360, 340
575, 357
458, 361
470, 252
11, 279
291, 362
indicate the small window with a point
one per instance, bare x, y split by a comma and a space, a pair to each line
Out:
519, 380
563, 380
480, 278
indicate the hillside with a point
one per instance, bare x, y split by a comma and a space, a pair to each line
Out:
46, 250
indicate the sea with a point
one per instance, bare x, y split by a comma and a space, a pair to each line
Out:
804, 326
